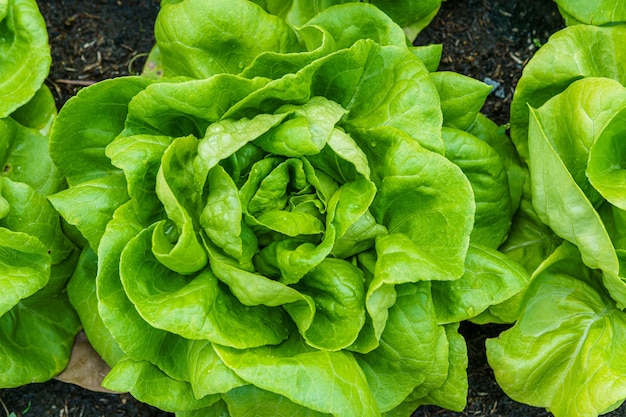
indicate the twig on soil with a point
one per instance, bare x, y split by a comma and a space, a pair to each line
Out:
6, 410
82, 83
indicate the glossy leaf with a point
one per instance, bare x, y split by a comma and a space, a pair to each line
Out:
564, 353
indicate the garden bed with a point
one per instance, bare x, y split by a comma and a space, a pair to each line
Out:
487, 40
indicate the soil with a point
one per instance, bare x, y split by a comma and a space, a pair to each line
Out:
489, 40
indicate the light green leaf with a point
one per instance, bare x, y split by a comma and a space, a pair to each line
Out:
149, 384
486, 130
24, 267
24, 158
241, 25
449, 392
407, 347
37, 335
461, 97
182, 107
30, 213
317, 43
563, 205
414, 200
39, 112
140, 157
430, 55
605, 168
490, 278
195, 307
602, 12
252, 401
222, 219
366, 22
207, 373
490, 185
340, 385
81, 290
90, 205
395, 90
570, 54
530, 240
306, 130
336, 287
565, 351
24, 53
87, 124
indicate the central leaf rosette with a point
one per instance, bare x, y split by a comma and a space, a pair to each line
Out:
260, 203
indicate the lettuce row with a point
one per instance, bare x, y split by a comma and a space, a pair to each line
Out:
564, 353
292, 220
37, 322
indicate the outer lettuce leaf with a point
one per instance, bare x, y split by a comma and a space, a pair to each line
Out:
565, 352
407, 349
412, 16
252, 401
603, 12
368, 23
39, 112
292, 369
430, 55
490, 278
24, 53
148, 384
25, 267
570, 54
562, 195
461, 97
604, 169
487, 131
37, 322
37, 334
79, 152
25, 158
446, 384
530, 240
231, 37
490, 185
81, 290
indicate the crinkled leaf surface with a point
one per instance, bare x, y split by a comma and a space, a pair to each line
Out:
570, 54
24, 53
562, 195
598, 13
565, 351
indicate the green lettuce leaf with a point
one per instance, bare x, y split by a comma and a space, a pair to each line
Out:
603, 12
24, 53
562, 193
412, 16
570, 54
565, 351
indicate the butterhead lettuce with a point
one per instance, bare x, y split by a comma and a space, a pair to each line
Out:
279, 224
37, 322
564, 351
24, 53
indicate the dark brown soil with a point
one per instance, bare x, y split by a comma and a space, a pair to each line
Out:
95, 40
489, 40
